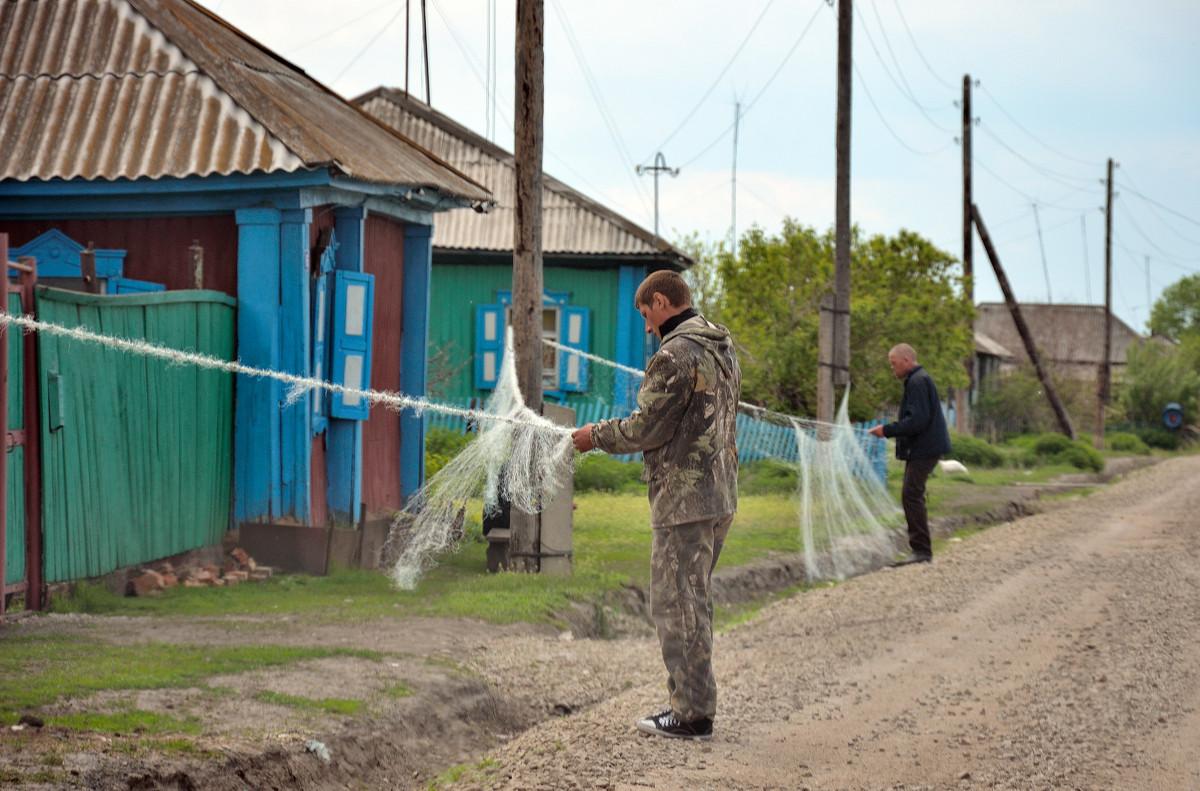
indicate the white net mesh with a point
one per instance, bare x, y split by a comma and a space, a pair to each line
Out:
846, 517
517, 456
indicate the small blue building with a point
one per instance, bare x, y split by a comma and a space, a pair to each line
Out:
593, 261
154, 128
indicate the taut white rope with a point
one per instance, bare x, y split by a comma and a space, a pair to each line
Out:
299, 384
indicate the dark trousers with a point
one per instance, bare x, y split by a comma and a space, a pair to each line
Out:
912, 497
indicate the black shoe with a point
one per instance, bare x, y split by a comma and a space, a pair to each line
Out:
910, 560
665, 723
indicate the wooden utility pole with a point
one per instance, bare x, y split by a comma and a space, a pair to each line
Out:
1102, 380
840, 346
425, 38
525, 542
962, 420
1060, 412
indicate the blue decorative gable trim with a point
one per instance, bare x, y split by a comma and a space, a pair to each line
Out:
58, 256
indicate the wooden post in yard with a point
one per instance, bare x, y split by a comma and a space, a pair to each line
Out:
525, 542
1064, 420
87, 269
197, 264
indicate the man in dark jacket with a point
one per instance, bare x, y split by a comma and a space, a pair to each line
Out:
921, 438
686, 428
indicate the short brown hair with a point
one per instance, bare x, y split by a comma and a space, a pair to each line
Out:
667, 283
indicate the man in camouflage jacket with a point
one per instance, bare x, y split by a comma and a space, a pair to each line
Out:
686, 429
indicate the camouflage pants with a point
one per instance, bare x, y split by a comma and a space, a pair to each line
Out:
681, 566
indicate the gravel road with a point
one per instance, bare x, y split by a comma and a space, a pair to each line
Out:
1059, 651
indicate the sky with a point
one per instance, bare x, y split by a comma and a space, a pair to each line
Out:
1058, 88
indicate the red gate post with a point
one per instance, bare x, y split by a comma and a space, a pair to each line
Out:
34, 580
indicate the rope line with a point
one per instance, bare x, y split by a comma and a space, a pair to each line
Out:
300, 385
745, 407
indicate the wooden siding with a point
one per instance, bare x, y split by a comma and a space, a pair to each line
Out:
158, 247
136, 452
383, 257
456, 290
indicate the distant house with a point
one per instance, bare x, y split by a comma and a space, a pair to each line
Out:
594, 260
150, 126
1069, 338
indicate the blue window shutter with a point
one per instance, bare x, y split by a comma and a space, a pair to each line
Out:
573, 369
320, 351
350, 336
489, 345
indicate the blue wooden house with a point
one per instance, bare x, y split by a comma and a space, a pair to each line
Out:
152, 129
593, 259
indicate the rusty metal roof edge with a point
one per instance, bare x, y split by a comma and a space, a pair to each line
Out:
442, 120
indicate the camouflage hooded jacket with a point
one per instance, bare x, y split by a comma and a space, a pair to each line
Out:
685, 425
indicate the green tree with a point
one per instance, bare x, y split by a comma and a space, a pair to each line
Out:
1154, 376
1176, 313
903, 290
704, 278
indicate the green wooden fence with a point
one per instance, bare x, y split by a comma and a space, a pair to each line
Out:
136, 452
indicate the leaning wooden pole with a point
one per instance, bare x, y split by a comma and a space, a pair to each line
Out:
527, 246
1064, 420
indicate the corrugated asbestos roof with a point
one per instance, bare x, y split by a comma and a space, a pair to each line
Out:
1063, 333
108, 89
985, 345
572, 222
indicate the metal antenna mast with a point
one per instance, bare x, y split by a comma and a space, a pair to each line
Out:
737, 117
659, 166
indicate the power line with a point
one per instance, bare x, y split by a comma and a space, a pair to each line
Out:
363, 51
1050, 174
1129, 216
1036, 139
703, 98
326, 34
920, 54
763, 90
594, 89
905, 89
1132, 191
1121, 245
888, 126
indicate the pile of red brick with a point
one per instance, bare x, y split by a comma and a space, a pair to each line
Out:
237, 567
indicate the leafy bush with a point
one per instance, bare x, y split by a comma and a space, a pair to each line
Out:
972, 451
442, 445
1059, 449
603, 473
1155, 376
1158, 438
1051, 444
1128, 443
768, 476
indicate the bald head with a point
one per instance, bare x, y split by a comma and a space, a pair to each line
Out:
902, 358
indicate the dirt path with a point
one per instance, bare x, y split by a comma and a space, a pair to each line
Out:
1058, 651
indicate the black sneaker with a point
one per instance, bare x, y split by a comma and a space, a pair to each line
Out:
665, 723
910, 560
